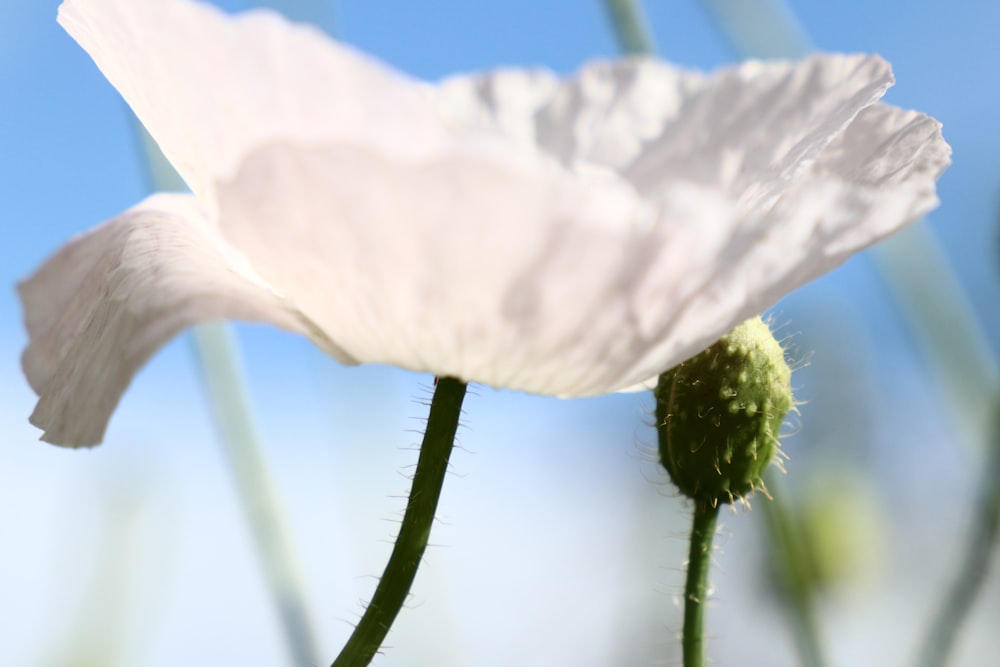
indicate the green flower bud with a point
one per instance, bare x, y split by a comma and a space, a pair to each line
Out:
719, 413
843, 529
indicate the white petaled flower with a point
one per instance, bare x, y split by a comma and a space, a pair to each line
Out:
565, 236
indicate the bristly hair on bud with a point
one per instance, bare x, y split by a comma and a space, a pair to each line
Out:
720, 412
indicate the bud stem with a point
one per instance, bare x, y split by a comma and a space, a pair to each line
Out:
696, 588
394, 586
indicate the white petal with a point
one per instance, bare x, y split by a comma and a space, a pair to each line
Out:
99, 308
748, 129
495, 272
752, 132
604, 115
560, 238
211, 88
873, 179
753, 128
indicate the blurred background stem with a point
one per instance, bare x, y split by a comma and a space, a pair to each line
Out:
959, 599
217, 352
630, 26
942, 320
218, 359
791, 567
105, 624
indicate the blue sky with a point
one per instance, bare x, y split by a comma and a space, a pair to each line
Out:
68, 160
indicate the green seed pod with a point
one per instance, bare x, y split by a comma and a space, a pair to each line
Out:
719, 413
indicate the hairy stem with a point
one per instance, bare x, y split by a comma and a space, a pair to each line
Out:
696, 587
394, 586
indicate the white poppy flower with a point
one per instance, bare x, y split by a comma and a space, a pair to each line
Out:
569, 237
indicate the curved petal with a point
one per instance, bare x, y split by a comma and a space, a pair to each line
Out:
564, 238
100, 307
753, 128
512, 275
876, 177
210, 88
873, 179
523, 275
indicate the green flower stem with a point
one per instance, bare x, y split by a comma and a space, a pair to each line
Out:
696, 587
394, 586
934, 301
218, 359
630, 27
790, 567
961, 596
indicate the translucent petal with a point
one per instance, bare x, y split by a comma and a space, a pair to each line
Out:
99, 308
211, 88
873, 179
747, 129
751, 129
510, 274
558, 237
752, 133
604, 115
